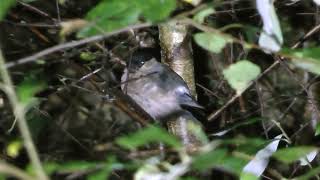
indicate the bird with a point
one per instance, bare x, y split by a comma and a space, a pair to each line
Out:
155, 87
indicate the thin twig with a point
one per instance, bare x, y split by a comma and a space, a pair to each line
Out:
18, 110
72, 44
11, 170
215, 114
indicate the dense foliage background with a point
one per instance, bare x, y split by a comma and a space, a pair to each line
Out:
256, 67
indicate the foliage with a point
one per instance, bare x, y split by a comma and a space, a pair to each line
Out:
80, 126
150, 134
4, 7
289, 155
123, 13
240, 74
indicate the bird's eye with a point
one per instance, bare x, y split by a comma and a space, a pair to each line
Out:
142, 63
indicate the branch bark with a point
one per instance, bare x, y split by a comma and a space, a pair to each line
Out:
177, 53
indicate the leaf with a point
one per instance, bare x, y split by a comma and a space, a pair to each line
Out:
110, 15
14, 148
248, 176
306, 58
218, 158
317, 129
304, 161
271, 38
104, 173
317, 2
155, 10
28, 88
209, 159
147, 135
193, 2
259, 163
151, 170
200, 16
212, 41
4, 7
240, 74
87, 56
289, 155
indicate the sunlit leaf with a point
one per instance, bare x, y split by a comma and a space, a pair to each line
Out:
289, 155
109, 15
147, 135
212, 41
259, 163
4, 7
271, 38
248, 176
14, 148
151, 170
317, 2
218, 158
200, 16
87, 56
304, 161
240, 74
193, 2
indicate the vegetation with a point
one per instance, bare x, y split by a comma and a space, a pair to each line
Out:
62, 115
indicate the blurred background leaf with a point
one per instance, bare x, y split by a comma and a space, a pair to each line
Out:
147, 135
4, 7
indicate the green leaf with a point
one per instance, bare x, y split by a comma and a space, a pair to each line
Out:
87, 56
2, 177
13, 149
240, 74
289, 155
306, 58
4, 7
155, 10
218, 158
110, 15
248, 176
209, 159
317, 130
28, 88
104, 173
212, 41
200, 16
147, 135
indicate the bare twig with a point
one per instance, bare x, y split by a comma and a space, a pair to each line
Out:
18, 110
72, 44
11, 170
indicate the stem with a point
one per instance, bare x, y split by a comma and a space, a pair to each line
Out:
18, 110
13, 171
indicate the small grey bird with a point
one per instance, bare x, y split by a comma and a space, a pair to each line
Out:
155, 87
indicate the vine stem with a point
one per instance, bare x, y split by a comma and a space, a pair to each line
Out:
18, 110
